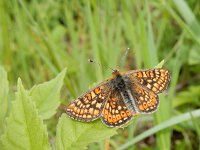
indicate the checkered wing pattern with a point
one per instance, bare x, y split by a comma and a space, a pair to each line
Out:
89, 106
156, 80
146, 100
115, 112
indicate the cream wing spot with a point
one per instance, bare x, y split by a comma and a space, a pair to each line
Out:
93, 94
98, 105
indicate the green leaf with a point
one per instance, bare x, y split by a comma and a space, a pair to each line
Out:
3, 96
160, 64
25, 129
72, 135
47, 95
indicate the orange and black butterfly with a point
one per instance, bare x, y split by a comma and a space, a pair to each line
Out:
119, 98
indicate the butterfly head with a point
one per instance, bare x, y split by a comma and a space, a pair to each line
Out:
115, 72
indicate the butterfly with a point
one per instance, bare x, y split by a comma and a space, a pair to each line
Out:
119, 98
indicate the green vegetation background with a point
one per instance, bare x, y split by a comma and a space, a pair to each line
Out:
38, 39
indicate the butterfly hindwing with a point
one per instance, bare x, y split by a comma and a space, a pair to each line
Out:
115, 112
145, 100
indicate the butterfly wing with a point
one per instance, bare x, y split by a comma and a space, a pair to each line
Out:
115, 112
156, 80
88, 107
145, 100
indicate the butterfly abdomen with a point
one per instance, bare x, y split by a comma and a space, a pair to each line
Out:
121, 84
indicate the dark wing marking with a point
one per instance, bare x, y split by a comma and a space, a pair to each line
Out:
156, 80
115, 112
88, 107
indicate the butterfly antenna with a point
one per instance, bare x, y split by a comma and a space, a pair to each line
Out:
92, 61
124, 57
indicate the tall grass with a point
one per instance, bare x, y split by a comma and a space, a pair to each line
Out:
39, 38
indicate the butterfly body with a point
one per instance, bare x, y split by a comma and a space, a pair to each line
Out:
121, 97
122, 85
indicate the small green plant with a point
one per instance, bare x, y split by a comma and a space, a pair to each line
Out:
40, 38
25, 128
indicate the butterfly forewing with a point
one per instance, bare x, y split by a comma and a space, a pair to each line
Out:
155, 80
115, 112
89, 106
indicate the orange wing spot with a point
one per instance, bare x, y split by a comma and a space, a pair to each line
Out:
144, 74
159, 82
114, 119
112, 105
93, 95
163, 74
79, 102
145, 105
139, 74
118, 117
97, 90
85, 111
114, 99
109, 118
106, 112
153, 99
148, 73
151, 74
141, 107
149, 103
85, 100
75, 109
123, 114
81, 112
162, 78
106, 117
89, 97
160, 88
71, 106
89, 116
141, 91
81, 105
156, 85
154, 89
96, 112
128, 113
91, 110
78, 110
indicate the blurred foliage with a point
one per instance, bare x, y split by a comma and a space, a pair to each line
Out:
39, 38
